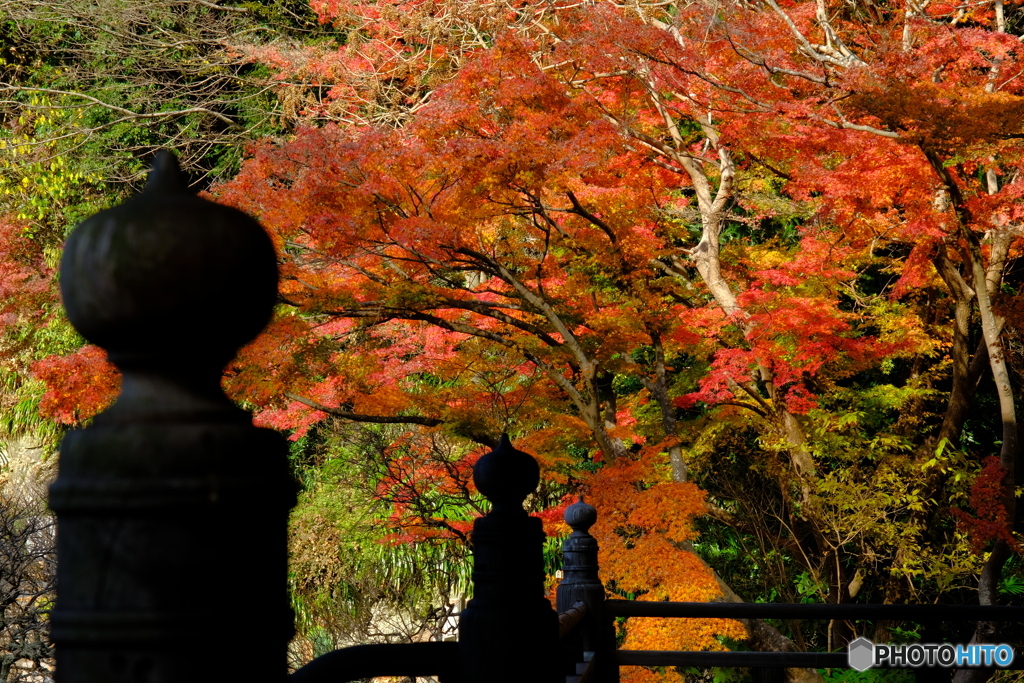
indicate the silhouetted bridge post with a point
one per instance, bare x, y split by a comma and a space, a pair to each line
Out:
173, 508
588, 633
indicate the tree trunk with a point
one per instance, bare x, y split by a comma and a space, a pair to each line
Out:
985, 282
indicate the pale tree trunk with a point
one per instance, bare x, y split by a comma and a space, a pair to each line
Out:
658, 388
967, 371
706, 256
985, 282
991, 326
712, 204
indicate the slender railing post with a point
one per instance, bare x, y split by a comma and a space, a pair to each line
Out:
508, 632
581, 583
172, 508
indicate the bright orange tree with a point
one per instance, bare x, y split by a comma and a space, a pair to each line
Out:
641, 528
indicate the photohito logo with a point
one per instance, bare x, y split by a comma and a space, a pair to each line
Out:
862, 654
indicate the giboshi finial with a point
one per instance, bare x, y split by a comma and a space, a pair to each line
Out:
165, 174
168, 277
506, 476
581, 516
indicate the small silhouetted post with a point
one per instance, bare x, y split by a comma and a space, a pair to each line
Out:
508, 632
581, 583
172, 508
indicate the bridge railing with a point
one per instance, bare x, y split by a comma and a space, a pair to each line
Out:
580, 567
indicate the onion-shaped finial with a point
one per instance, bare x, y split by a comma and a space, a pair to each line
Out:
581, 516
165, 174
506, 476
167, 278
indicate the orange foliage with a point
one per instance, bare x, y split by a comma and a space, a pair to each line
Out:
644, 526
25, 280
78, 385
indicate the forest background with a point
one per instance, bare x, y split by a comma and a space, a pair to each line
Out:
744, 273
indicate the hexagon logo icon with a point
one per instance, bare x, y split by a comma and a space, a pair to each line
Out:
861, 654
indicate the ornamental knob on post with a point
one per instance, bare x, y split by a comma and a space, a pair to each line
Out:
172, 508
508, 632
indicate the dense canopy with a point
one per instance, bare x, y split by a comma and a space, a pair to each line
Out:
743, 272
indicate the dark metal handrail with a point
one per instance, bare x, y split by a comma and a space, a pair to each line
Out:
367, 661
778, 660
800, 660
757, 610
570, 620
763, 660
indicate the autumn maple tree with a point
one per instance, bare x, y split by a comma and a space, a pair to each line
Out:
749, 259
568, 196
